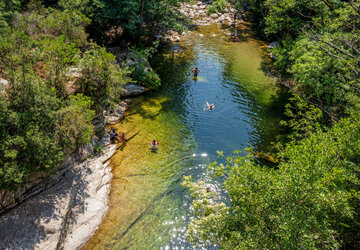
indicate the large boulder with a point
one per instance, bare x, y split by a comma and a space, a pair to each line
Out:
273, 45
130, 89
4, 84
117, 113
221, 18
201, 12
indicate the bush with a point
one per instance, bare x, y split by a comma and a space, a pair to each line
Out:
217, 6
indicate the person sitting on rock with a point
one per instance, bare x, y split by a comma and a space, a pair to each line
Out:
114, 135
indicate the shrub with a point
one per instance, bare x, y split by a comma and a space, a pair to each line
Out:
217, 6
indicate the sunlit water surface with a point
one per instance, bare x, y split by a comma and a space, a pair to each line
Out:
149, 209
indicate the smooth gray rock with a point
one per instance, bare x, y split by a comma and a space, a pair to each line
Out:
130, 89
273, 44
117, 113
40, 222
4, 84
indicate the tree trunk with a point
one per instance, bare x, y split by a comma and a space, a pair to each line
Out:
141, 18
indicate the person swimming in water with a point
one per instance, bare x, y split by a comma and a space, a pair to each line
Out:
154, 144
209, 106
196, 72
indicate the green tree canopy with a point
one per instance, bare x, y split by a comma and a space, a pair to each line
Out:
310, 201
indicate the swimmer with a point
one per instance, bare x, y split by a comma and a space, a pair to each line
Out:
196, 72
154, 144
209, 106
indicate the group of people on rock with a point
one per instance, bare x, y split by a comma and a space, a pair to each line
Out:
114, 137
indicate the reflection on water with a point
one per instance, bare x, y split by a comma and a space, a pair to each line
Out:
148, 207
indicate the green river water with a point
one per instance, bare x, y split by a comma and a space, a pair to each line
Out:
148, 208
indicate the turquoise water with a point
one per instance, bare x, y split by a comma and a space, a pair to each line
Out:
149, 210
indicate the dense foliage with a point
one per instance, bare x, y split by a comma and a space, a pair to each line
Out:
217, 6
320, 48
129, 19
47, 110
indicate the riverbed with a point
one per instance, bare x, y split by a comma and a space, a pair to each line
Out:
148, 208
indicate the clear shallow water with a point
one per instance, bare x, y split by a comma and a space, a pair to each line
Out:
149, 210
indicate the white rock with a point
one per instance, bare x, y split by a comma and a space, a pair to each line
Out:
4, 83
214, 16
201, 12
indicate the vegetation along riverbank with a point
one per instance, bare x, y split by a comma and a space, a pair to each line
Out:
67, 67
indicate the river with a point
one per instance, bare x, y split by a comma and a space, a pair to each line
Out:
148, 208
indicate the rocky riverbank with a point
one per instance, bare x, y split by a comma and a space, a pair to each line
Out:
198, 14
65, 210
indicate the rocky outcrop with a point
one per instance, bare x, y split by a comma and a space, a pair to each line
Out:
117, 113
65, 215
4, 84
272, 46
198, 14
129, 90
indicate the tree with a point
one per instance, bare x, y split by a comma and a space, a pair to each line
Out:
8, 11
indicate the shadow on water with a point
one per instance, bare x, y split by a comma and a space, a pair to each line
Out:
148, 207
